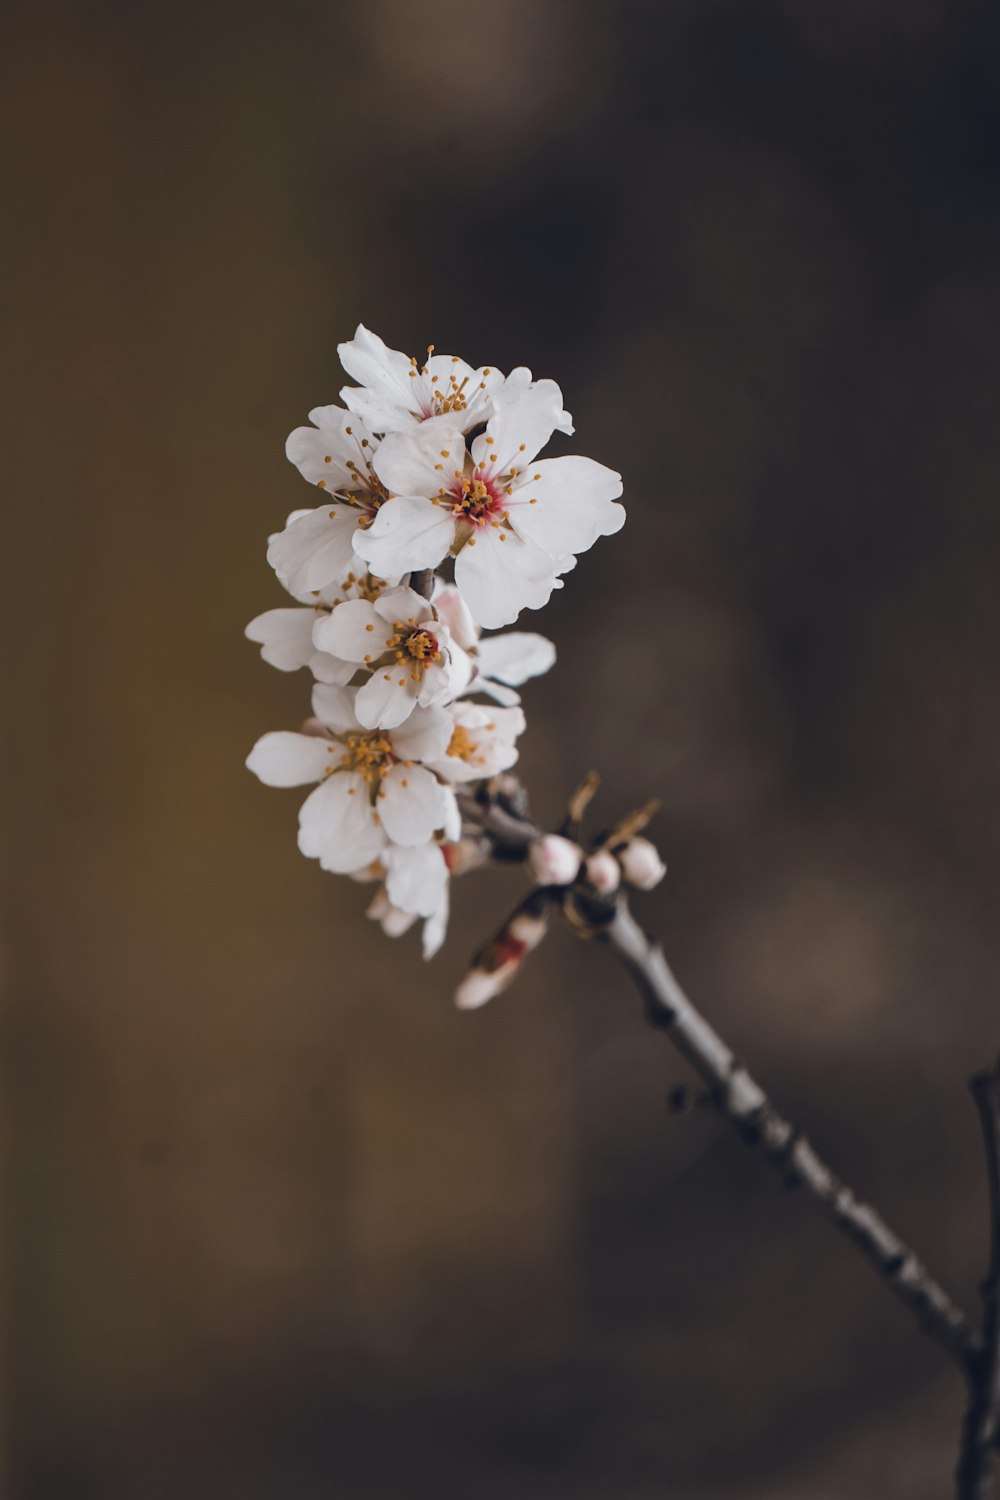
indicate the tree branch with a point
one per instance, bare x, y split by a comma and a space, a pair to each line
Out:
741, 1100
981, 1428
422, 582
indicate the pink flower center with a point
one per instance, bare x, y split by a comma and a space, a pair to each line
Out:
477, 497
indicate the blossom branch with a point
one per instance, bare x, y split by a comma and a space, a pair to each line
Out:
981, 1429
415, 717
741, 1100
422, 582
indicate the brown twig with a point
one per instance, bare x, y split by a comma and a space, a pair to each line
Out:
422, 582
741, 1100
577, 806
981, 1427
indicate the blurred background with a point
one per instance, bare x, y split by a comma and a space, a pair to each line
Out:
279, 1221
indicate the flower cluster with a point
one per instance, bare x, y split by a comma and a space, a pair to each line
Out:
438, 521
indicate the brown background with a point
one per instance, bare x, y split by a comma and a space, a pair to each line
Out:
280, 1223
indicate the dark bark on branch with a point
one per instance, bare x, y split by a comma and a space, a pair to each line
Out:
738, 1098
741, 1101
976, 1465
423, 582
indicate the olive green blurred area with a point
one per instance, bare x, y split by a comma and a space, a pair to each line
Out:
280, 1223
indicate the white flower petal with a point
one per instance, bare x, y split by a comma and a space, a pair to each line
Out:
316, 550
379, 413
283, 758
322, 452
420, 462
403, 604
386, 699
436, 926
515, 656
328, 669
352, 632
424, 736
452, 824
495, 690
334, 706
411, 804
526, 415
406, 535
497, 579
416, 879
370, 361
574, 504
337, 824
459, 672
285, 637
454, 611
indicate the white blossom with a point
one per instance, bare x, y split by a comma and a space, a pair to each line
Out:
481, 743
373, 791
426, 463
317, 547
514, 522
408, 650
395, 392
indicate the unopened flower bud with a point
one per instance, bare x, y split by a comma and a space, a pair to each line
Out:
478, 987
555, 860
498, 963
641, 864
604, 872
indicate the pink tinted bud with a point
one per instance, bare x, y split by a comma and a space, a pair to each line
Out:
555, 860
604, 872
641, 864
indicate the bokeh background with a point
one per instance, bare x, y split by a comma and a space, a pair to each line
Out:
280, 1222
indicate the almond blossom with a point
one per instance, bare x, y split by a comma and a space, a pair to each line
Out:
513, 522
285, 635
373, 791
408, 649
316, 547
395, 392
427, 463
481, 743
